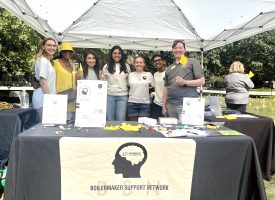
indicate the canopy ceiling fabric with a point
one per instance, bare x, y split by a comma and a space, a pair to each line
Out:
146, 24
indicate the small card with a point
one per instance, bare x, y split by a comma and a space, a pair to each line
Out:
229, 132
54, 109
193, 111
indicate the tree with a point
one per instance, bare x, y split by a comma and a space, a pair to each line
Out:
19, 44
256, 53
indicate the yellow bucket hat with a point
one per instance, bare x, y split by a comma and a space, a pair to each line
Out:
66, 46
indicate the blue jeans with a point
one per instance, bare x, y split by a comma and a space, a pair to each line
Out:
116, 108
138, 109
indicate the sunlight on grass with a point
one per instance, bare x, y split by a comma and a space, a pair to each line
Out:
264, 106
270, 188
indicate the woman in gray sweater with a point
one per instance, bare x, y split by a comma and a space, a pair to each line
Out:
237, 85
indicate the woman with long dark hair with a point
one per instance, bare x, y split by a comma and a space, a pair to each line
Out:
116, 73
91, 70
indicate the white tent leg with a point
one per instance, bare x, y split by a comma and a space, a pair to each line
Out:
202, 68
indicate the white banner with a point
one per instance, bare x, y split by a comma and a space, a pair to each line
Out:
126, 168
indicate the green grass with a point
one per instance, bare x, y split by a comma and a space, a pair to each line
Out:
263, 89
264, 106
270, 188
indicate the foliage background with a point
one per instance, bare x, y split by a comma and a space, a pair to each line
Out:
18, 47
19, 44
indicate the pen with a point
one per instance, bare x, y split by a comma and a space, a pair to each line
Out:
192, 132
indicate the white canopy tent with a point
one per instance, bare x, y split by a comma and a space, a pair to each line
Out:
146, 24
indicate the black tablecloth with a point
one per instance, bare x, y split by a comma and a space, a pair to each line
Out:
262, 131
226, 167
12, 122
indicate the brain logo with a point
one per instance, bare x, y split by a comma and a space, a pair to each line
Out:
128, 160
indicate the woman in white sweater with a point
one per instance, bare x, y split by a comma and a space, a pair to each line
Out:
139, 98
116, 73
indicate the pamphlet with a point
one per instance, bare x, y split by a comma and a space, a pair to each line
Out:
91, 103
54, 109
193, 111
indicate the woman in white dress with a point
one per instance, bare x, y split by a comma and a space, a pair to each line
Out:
44, 74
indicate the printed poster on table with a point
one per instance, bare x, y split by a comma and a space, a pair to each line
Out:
54, 109
126, 168
91, 103
193, 111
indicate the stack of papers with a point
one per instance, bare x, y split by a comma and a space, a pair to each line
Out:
184, 132
147, 120
168, 120
243, 116
229, 132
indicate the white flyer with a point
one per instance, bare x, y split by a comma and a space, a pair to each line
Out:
54, 109
193, 111
91, 103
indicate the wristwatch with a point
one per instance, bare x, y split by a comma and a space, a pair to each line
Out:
184, 84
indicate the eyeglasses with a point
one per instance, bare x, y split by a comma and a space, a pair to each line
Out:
158, 60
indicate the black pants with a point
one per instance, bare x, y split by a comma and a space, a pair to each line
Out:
156, 111
239, 107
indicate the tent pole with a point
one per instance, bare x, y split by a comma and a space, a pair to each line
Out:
202, 68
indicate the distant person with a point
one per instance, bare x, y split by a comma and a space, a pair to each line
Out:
237, 85
129, 159
181, 80
45, 74
139, 97
116, 72
160, 65
130, 62
91, 70
67, 74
